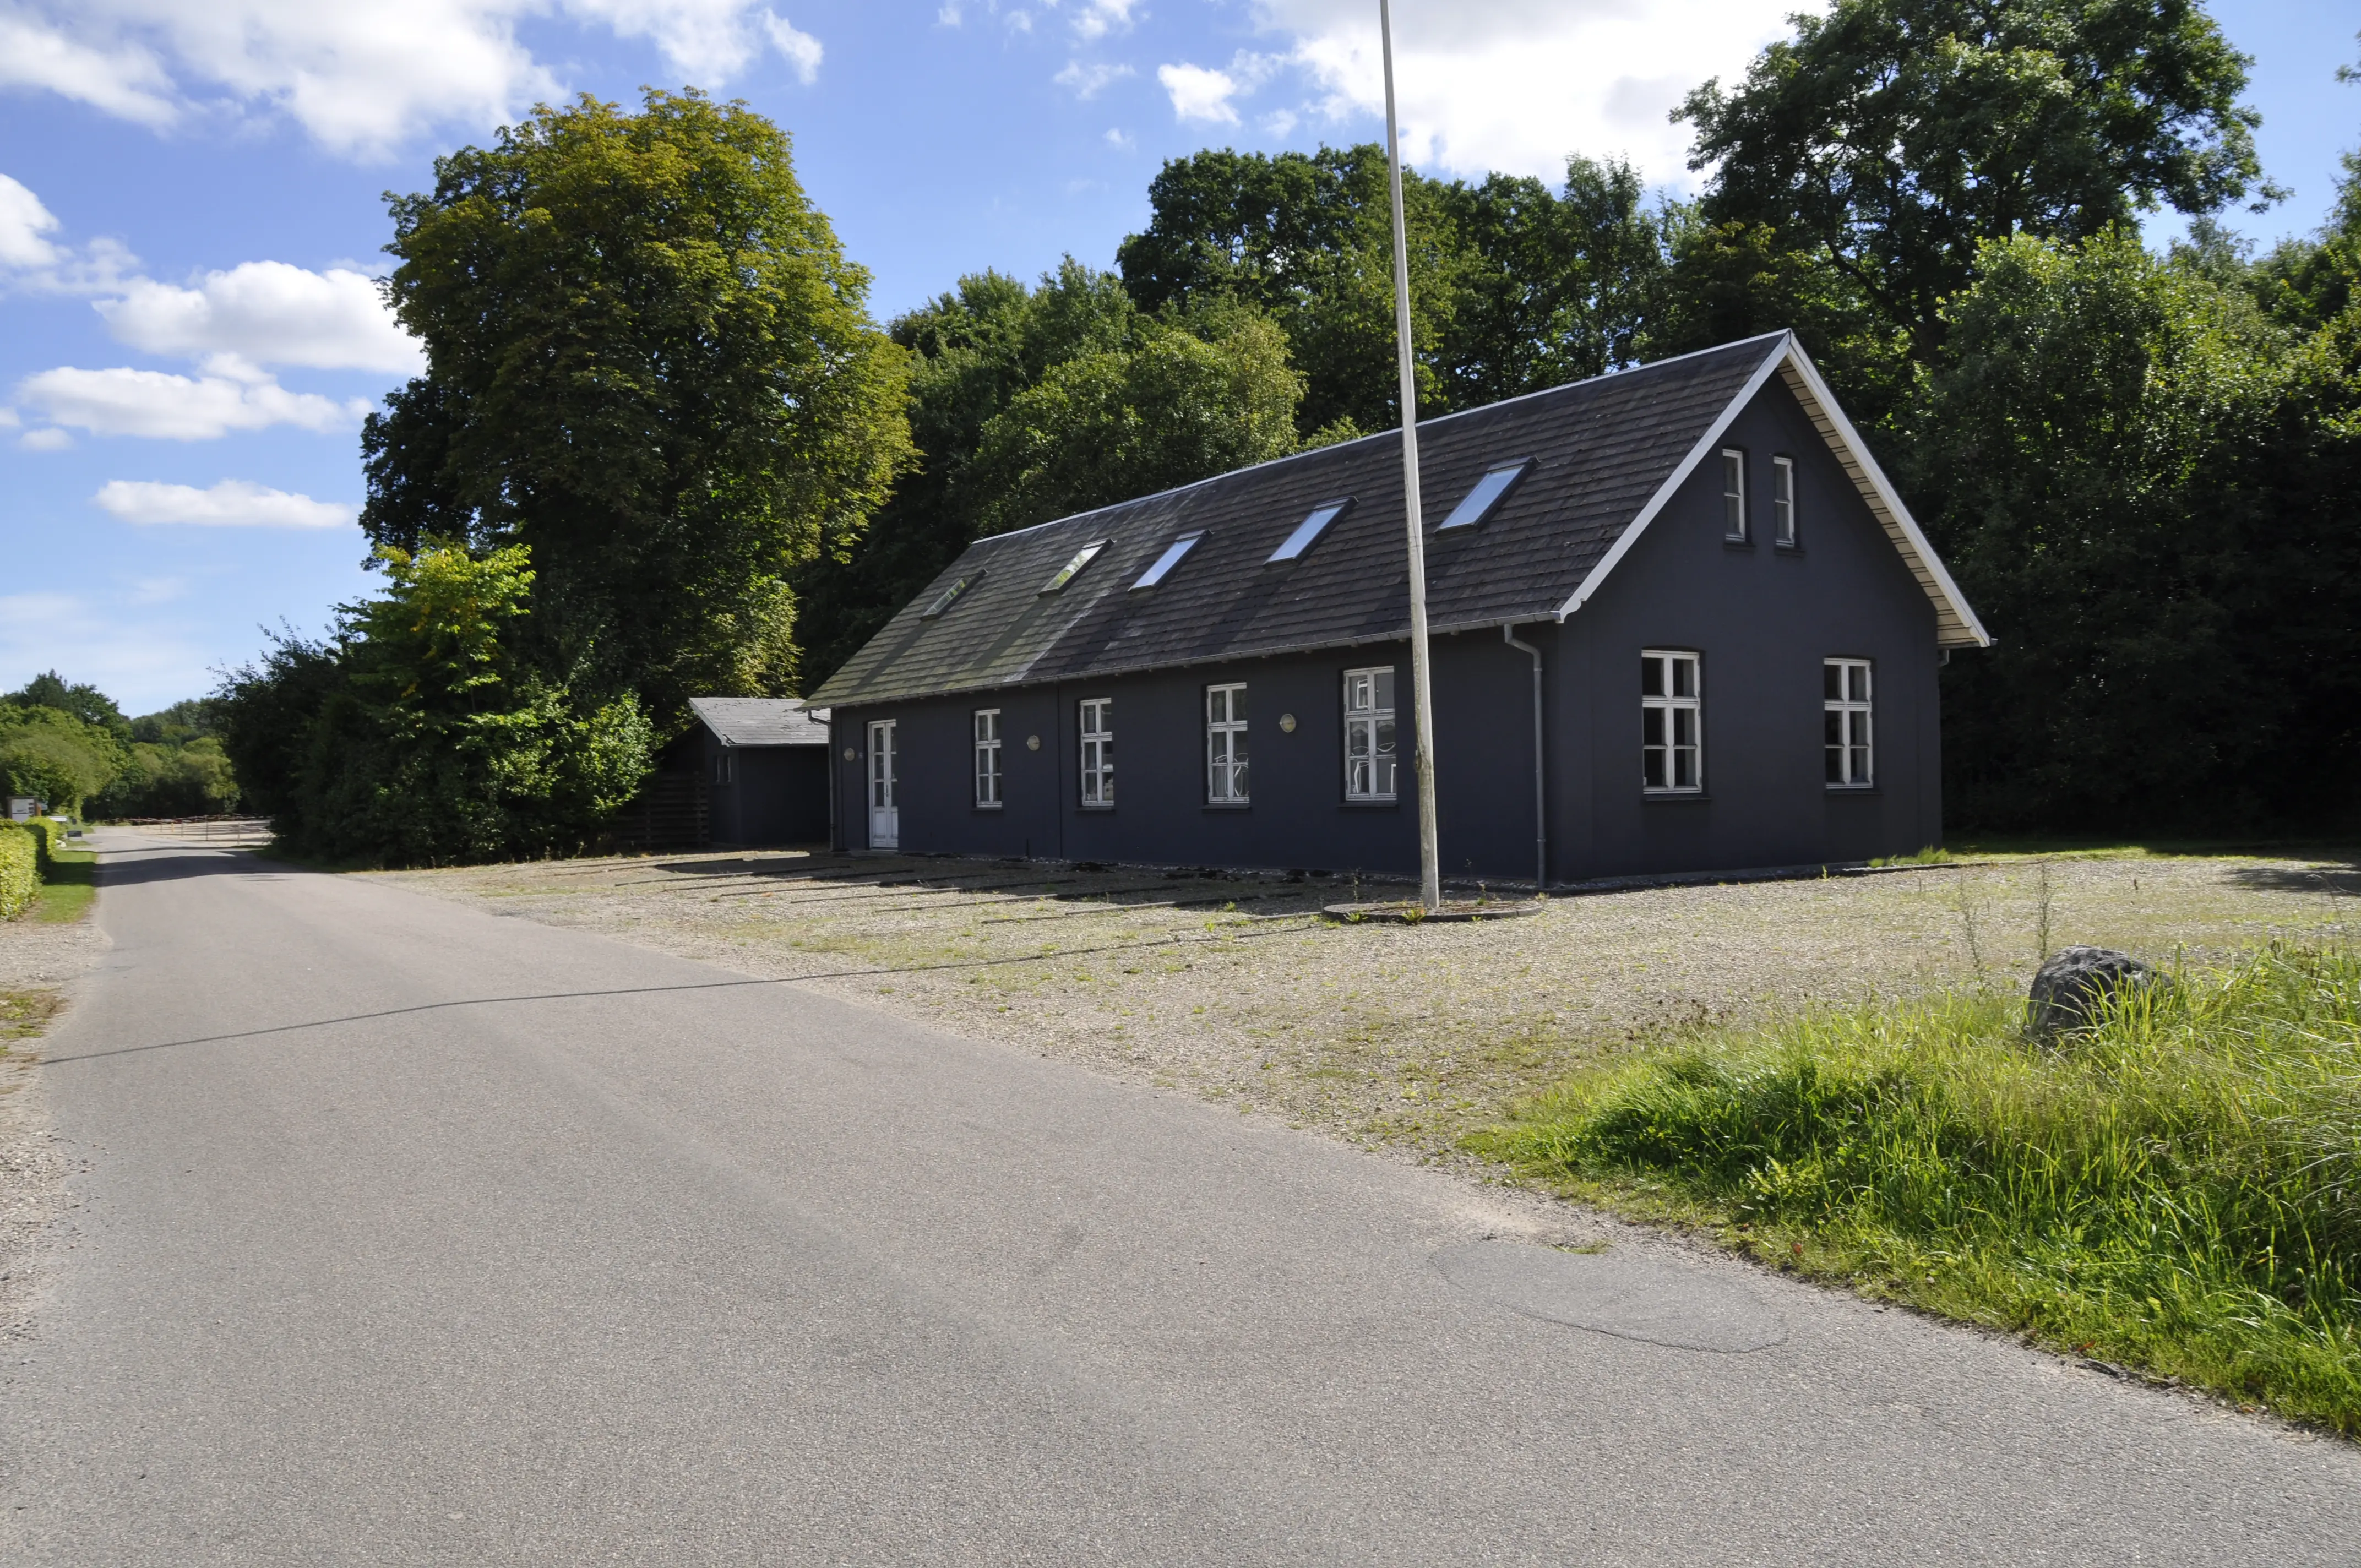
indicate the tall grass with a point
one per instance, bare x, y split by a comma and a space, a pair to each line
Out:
2177, 1187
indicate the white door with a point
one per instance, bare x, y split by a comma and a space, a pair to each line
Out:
884, 818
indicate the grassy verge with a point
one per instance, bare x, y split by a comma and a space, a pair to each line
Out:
2178, 1189
68, 887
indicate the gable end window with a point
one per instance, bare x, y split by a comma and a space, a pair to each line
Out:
1783, 502
1226, 745
1733, 494
1847, 713
1096, 725
725, 768
1672, 722
987, 759
1372, 755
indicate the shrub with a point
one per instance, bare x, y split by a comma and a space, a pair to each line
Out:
20, 877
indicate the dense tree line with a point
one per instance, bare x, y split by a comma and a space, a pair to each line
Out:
69, 747
660, 449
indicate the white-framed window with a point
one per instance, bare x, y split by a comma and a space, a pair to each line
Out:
1225, 744
1097, 726
725, 767
987, 758
1734, 493
1847, 714
1783, 501
1672, 722
1372, 756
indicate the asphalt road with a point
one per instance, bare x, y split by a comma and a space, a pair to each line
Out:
663, 1266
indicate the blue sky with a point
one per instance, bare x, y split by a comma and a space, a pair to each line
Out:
190, 203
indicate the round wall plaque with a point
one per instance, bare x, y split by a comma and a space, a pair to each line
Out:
1032, 743
1287, 724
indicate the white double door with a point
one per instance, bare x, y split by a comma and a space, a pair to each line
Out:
884, 817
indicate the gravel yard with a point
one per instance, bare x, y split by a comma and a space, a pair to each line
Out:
1234, 987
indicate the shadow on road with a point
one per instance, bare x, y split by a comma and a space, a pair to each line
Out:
176, 862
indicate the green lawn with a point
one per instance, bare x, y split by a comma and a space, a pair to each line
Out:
72, 884
2178, 1189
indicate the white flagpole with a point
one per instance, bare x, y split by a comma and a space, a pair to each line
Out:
1430, 871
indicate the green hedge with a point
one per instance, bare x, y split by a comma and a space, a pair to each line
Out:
45, 833
20, 877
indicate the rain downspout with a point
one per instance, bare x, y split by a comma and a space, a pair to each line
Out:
1541, 786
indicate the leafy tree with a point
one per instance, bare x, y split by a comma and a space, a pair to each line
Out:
86, 703
191, 719
49, 753
1309, 240
1552, 286
2147, 490
193, 779
649, 362
1513, 286
1031, 401
1889, 140
1106, 426
420, 736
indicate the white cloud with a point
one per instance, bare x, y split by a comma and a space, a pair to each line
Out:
232, 503
123, 81
361, 76
45, 440
948, 16
23, 220
1089, 81
1198, 93
1120, 140
177, 408
800, 50
1097, 18
1518, 84
266, 312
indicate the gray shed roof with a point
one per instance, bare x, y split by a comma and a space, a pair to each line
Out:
762, 720
1607, 455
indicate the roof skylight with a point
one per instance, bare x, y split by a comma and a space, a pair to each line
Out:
944, 600
1067, 573
1479, 502
1166, 561
1309, 530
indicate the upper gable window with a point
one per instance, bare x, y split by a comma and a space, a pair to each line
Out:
1071, 569
1783, 501
1478, 503
1166, 561
949, 596
1309, 530
1733, 494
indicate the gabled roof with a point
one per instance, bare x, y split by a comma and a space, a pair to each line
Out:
1607, 455
762, 720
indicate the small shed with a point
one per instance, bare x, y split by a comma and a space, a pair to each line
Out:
763, 761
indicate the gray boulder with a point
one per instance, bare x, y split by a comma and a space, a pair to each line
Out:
2070, 986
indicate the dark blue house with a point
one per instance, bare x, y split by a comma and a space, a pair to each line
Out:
1681, 622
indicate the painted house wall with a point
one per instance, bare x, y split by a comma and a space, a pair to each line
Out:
1764, 618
